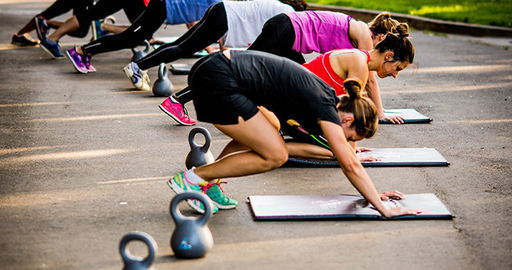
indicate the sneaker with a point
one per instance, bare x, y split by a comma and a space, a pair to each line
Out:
216, 193
177, 111
42, 28
76, 60
23, 40
179, 184
87, 63
137, 76
52, 48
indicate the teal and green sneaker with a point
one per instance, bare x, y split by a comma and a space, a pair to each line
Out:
218, 197
179, 184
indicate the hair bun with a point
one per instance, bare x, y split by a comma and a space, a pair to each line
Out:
402, 29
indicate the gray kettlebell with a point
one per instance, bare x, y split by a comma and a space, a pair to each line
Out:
191, 238
140, 54
163, 86
138, 263
199, 155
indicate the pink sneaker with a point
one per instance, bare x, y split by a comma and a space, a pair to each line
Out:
177, 111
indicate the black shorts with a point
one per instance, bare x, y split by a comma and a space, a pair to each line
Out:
216, 94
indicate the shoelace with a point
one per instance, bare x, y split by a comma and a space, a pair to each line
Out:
209, 185
185, 110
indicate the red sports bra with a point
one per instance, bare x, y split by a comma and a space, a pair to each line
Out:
321, 66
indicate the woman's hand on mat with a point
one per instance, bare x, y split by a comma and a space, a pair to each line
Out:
368, 159
400, 211
363, 149
395, 194
395, 119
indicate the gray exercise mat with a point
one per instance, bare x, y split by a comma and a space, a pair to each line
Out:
390, 157
300, 207
411, 116
180, 69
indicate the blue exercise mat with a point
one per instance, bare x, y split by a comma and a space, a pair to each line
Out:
390, 157
411, 116
301, 207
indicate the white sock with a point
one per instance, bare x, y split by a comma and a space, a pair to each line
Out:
192, 177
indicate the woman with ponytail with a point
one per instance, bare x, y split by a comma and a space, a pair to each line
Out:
229, 86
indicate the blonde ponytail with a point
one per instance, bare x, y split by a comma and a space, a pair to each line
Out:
383, 24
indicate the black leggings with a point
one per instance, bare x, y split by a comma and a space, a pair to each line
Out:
141, 29
209, 29
277, 37
60, 7
103, 8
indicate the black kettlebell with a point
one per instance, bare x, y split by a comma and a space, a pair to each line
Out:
138, 263
163, 86
191, 238
199, 155
140, 54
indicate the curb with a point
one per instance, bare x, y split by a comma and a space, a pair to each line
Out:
421, 23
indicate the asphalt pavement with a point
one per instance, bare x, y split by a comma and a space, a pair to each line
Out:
84, 159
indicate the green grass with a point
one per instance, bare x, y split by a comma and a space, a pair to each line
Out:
485, 12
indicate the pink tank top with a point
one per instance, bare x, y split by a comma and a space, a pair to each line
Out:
321, 67
320, 31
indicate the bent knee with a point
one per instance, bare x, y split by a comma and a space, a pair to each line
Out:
276, 160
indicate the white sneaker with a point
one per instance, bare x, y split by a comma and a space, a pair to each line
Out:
137, 76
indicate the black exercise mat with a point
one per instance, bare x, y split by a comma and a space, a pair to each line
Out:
180, 69
390, 157
301, 207
411, 116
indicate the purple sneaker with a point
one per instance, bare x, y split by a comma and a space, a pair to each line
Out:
177, 111
76, 59
87, 63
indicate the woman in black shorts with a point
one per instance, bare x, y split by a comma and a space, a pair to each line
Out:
228, 87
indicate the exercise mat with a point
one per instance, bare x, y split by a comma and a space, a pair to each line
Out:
301, 207
390, 157
411, 116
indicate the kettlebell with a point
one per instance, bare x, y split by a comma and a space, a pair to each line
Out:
191, 238
138, 263
199, 155
140, 54
163, 86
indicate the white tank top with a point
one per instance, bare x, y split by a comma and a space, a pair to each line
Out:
246, 19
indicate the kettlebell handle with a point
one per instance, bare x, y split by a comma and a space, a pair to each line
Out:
179, 217
162, 71
207, 137
147, 46
140, 236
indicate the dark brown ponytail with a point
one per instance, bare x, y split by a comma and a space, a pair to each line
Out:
365, 113
399, 44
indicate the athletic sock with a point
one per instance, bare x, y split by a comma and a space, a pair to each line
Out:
192, 177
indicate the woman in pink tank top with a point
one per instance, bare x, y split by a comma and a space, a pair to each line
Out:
294, 33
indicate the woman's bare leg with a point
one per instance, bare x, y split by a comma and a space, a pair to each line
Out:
258, 134
69, 26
